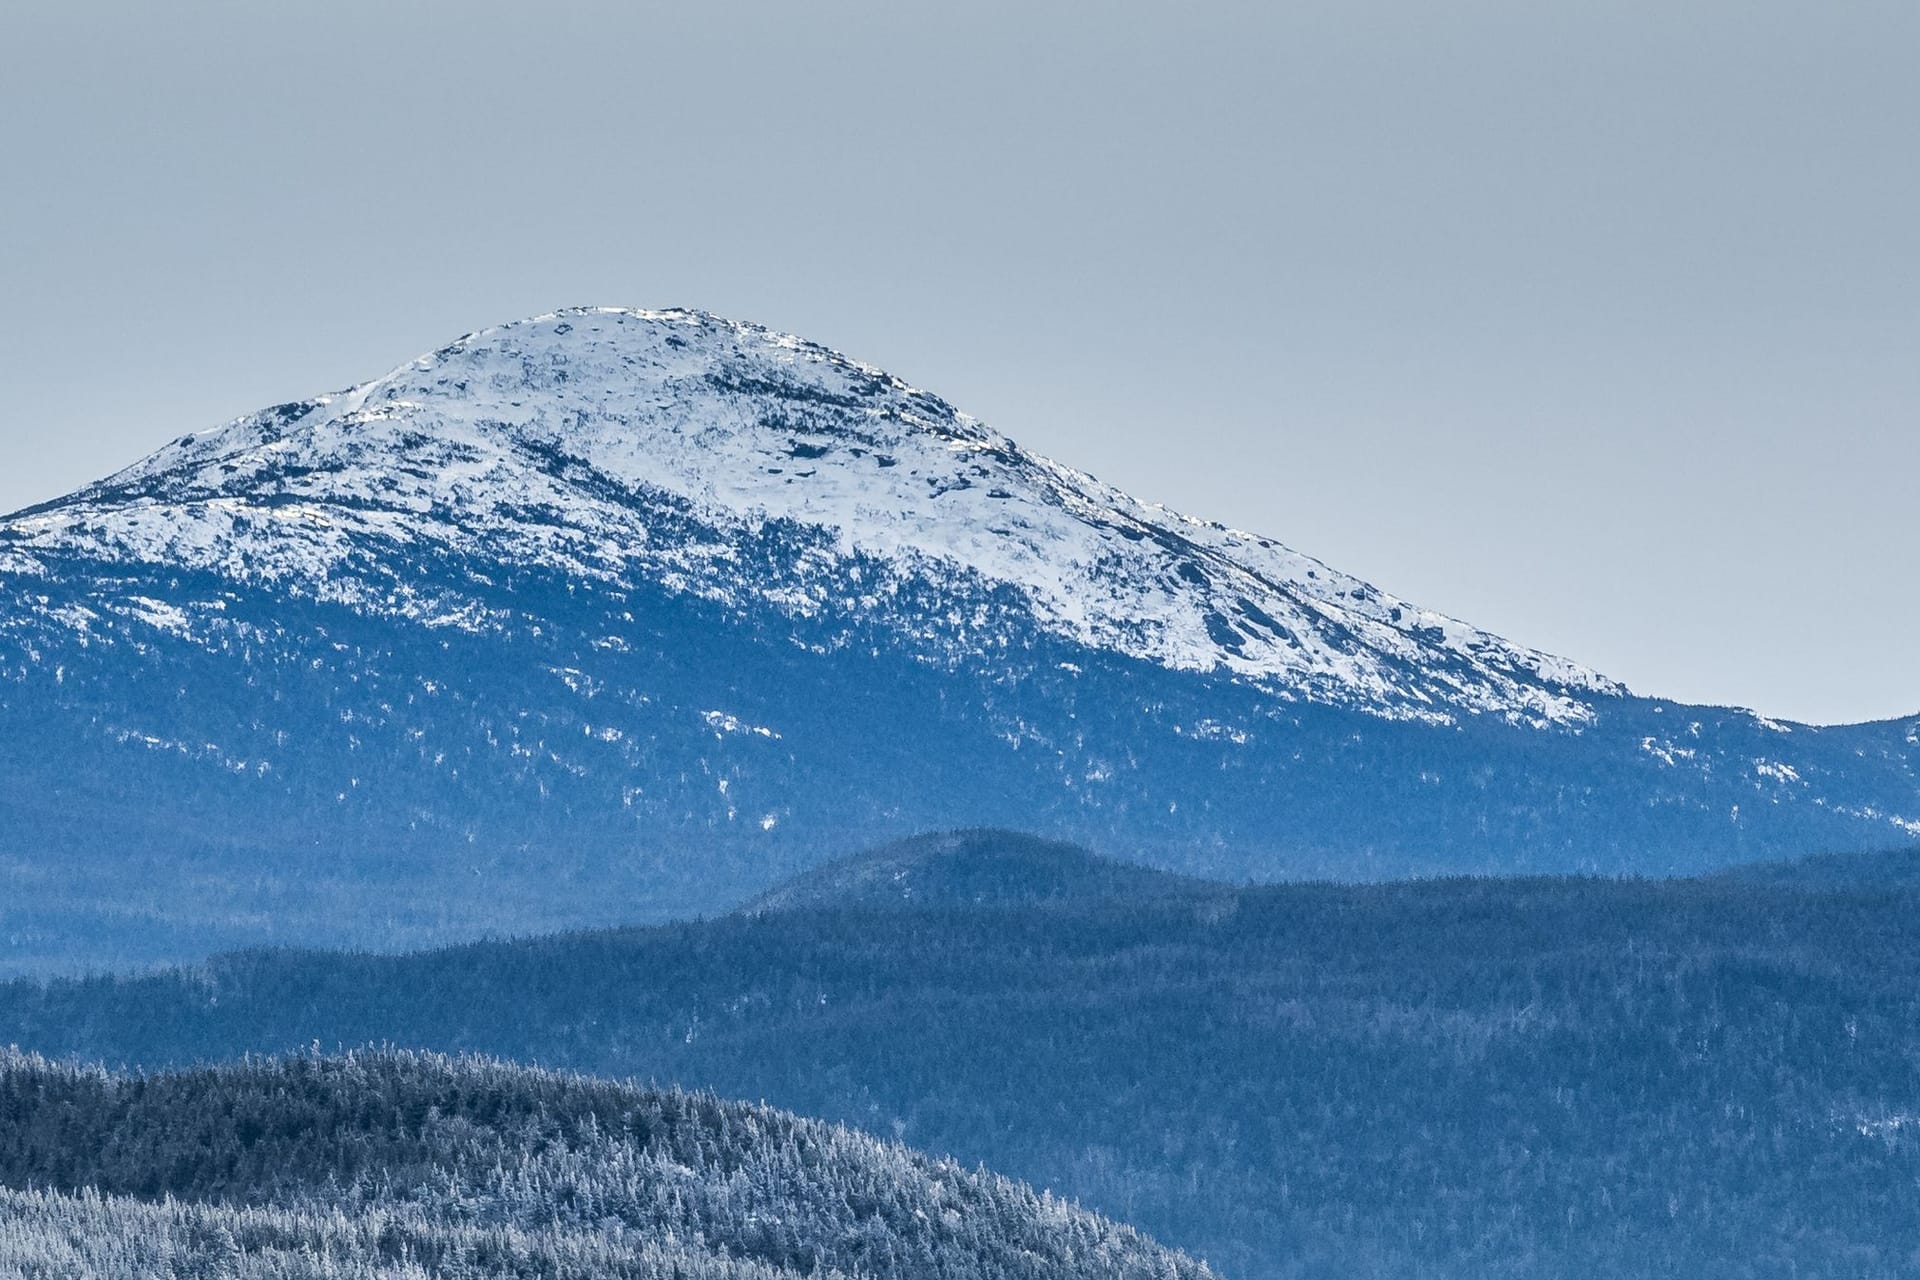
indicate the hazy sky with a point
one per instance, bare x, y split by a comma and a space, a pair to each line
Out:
1595, 324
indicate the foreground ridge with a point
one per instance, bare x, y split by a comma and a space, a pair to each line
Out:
474, 1162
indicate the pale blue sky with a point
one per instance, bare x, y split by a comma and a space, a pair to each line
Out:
1598, 325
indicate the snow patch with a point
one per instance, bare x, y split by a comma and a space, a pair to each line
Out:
724, 722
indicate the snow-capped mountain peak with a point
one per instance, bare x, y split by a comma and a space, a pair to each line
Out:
610, 444
617, 615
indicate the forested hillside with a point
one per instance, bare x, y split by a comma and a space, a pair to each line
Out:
415, 1165
1449, 1080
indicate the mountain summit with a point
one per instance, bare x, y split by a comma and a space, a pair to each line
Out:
610, 615
604, 443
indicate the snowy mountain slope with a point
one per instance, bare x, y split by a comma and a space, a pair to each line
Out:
612, 615
585, 441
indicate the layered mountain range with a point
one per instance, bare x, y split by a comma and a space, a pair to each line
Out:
1513, 1078
612, 615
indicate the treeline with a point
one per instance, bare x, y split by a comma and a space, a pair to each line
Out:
474, 1164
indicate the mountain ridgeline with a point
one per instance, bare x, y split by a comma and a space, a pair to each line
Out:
616, 615
407, 1165
977, 867
1466, 1079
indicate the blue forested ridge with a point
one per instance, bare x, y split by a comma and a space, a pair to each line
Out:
1519, 1079
977, 866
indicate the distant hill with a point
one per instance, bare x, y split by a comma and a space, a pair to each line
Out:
978, 867
352, 1166
1444, 1080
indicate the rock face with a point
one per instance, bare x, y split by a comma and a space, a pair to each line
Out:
615, 614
